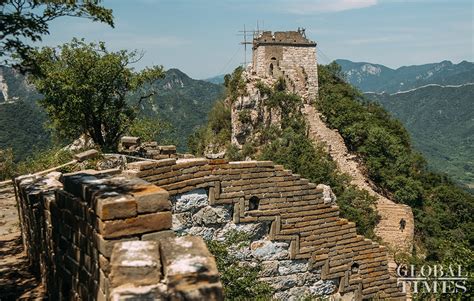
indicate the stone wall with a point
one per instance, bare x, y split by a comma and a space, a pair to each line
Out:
71, 223
298, 236
134, 147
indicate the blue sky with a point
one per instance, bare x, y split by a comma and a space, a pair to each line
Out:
200, 37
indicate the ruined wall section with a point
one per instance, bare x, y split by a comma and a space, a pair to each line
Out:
300, 66
71, 222
299, 220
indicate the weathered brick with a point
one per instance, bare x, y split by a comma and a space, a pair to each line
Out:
114, 205
136, 262
159, 235
129, 140
88, 154
135, 225
151, 198
105, 246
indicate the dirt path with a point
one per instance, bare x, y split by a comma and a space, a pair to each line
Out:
391, 213
16, 281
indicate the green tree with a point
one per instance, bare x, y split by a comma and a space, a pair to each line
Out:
26, 21
149, 128
86, 89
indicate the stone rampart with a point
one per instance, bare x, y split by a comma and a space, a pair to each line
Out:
298, 236
95, 236
151, 150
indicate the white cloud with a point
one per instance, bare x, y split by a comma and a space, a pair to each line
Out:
305, 7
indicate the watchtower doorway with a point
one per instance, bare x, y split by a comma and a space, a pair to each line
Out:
272, 66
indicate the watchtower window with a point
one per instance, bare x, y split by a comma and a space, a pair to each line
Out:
271, 69
355, 268
254, 202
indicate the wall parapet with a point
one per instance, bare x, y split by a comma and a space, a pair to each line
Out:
71, 223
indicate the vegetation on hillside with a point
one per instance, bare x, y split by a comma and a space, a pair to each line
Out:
241, 282
439, 119
22, 129
180, 105
441, 123
181, 102
443, 212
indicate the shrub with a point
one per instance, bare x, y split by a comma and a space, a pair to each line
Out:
240, 280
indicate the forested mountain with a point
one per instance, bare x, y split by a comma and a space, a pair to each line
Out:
434, 102
441, 123
378, 78
181, 101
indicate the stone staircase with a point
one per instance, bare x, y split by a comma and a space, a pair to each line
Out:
388, 229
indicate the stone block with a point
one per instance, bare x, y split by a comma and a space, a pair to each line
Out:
191, 201
135, 225
133, 292
159, 235
73, 183
105, 246
151, 198
190, 269
142, 165
187, 256
104, 263
167, 149
89, 154
113, 205
135, 262
129, 140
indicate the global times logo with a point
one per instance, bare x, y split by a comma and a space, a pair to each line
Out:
433, 279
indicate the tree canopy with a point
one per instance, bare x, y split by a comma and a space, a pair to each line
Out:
88, 89
25, 21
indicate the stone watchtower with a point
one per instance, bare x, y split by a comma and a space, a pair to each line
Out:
289, 55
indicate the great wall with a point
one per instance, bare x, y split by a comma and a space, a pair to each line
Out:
137, 230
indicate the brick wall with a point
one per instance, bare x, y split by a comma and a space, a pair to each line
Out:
297, 214
151, 150
72, 222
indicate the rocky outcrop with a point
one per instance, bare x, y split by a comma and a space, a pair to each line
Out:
249, 112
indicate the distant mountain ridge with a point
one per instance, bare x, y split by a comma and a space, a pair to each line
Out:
378, 78
181, 101
218, 79
434, 102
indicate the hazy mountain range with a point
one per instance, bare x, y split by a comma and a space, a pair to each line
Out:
378, 78
435, 102
181, 101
